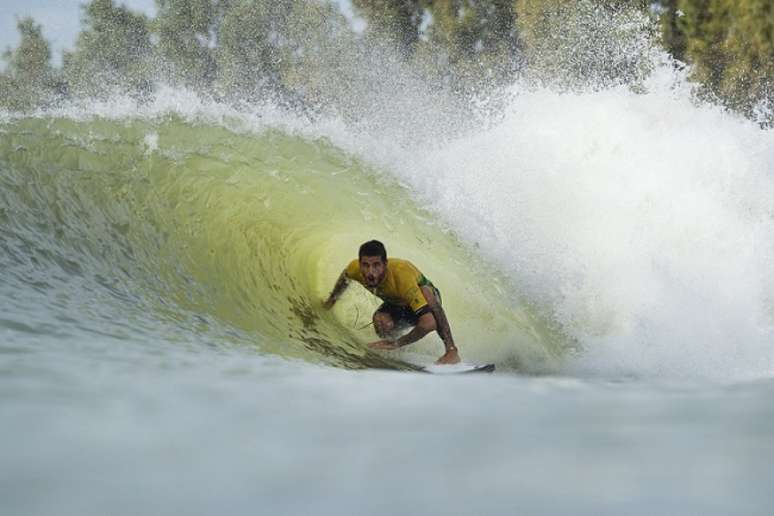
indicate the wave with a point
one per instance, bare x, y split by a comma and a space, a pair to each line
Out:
250, 229
613, 231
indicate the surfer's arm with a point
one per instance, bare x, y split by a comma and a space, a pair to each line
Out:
338, 288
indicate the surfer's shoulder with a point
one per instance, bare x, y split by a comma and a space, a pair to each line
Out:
403, 271
399, 264
352, 270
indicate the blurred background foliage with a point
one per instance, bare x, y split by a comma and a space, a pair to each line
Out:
306, 52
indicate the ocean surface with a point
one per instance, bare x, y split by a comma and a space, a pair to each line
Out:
163, 349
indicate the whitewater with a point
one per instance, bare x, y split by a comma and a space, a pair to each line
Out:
163, 348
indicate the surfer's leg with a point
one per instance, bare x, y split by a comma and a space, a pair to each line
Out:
390, 320
383, 322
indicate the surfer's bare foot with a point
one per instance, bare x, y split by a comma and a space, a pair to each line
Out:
450, 357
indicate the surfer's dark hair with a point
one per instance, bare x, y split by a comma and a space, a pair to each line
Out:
373, 248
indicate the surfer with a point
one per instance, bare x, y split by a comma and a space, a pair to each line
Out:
410, 300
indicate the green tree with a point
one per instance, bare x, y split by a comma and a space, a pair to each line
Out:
587, 43
477, 39
471, 27
29, 79
730, 45
703, 24
322, 58
112, 52
672, 36
394, 21
749, 75
250, 49
464, 42
186, 39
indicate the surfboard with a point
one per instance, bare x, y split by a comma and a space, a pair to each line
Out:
461, 368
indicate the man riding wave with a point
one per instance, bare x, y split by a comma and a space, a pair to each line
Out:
410, 299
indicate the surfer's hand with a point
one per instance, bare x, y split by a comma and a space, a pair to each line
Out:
384, 344
328, 303
450, 357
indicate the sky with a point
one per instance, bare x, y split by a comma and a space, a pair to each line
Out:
61, 20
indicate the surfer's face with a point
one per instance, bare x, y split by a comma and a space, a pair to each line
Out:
372, 268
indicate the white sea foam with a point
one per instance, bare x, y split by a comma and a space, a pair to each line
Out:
642, 223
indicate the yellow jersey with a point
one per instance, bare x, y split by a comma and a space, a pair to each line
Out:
400, 286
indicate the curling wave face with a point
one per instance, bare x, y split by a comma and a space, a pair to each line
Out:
173, 228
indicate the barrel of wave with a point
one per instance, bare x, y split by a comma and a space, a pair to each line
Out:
284, 220
252, 229
488, 322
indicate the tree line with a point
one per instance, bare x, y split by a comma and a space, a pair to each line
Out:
305, 51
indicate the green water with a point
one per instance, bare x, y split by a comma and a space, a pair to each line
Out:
248, 230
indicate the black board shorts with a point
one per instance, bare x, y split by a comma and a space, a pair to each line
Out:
404, 316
